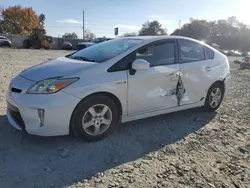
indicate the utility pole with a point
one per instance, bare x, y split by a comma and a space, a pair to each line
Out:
83, 30
179, 27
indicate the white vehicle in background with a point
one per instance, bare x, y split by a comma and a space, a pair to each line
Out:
5, 41
91, 91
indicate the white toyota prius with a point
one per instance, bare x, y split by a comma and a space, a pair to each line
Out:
91, 91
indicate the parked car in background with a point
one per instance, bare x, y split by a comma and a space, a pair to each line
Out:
246, 61
91, 91
245, 54
234, 53
83, 45
67, 46
101, 39
4, 41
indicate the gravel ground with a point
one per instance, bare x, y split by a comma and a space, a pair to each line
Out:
184, 149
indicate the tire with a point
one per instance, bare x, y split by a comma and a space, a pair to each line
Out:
83, 111
6, 44
36, 45
26, 44
209, 106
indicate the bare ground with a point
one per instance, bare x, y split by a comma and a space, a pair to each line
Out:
184, 149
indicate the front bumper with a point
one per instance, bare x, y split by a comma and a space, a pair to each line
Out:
58, 108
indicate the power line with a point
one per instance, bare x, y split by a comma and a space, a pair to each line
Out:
83, 24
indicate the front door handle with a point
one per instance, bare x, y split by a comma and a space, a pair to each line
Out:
208, 69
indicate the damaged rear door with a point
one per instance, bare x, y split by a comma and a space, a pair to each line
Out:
193, 80
155, 88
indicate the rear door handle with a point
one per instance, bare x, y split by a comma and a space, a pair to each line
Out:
173, 74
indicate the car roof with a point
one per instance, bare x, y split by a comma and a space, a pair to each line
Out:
3, 37
160, 37
156, 38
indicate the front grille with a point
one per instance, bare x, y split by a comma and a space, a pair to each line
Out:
15, 114
16, 90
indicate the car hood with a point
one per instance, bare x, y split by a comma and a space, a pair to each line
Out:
59, 67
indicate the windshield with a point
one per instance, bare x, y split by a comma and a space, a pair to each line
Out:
106, 50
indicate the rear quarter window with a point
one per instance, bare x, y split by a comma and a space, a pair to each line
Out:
209, 53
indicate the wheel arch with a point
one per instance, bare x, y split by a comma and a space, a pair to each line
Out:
220, 82
108, 94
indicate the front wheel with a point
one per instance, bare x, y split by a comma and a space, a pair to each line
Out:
94, 118
214, 97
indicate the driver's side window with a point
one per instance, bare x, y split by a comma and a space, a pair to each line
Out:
158, 54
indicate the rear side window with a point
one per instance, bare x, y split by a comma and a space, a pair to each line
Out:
209, 52
158, 54
190, 51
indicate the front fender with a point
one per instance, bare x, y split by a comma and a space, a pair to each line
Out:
114, 88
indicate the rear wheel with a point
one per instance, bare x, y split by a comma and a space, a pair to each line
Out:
26, 44
36, 44
94, 118
214, 97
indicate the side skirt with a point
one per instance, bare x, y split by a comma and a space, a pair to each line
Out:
126, 118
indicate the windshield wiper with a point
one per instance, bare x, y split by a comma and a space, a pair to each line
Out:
82, 58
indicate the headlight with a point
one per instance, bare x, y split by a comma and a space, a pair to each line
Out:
50, 85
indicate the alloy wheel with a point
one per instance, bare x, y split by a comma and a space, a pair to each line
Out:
215, 97
97, 119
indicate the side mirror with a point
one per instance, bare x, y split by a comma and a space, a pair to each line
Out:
140, 64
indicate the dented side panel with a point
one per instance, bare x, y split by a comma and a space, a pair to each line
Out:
198, 76
153, 89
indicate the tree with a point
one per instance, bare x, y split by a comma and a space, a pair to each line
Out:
18, 20
1, 25
230, 34
70, 36
152, 28
197, 29
88, 35
176, 32
133, 34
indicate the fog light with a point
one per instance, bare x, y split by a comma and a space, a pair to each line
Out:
41, 116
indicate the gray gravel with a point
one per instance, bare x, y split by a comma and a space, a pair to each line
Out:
184, 149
